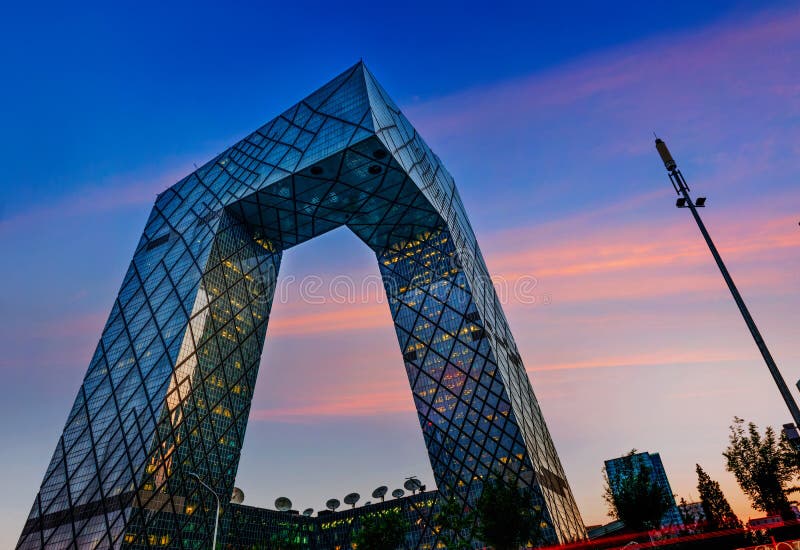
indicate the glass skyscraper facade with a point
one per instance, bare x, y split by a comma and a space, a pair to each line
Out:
616, 468
169, 388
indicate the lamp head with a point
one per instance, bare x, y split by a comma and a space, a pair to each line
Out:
669, 162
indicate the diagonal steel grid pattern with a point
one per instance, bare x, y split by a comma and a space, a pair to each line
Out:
169, 387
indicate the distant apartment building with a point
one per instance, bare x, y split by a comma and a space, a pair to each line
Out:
617, 467
692, 513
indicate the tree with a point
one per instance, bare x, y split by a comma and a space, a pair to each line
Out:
718, 513
760, 466
288, 537
791, 453
381, 531
454, 523
508, 515
633, 497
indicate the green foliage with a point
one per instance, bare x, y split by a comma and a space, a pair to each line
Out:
381, 531
454, 523
633, 498
288, 537
791, 454
762, 467
508, 516
716, 509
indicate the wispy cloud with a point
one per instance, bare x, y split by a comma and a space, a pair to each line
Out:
643, 260
337, 317
680, 74
574, 263
113, 195
653, 359
353, 401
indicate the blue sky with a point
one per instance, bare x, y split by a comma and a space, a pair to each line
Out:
110, 91
543, 114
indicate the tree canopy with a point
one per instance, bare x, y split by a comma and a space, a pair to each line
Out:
381, 531
762, 466
454, 522
718, 513
508, 515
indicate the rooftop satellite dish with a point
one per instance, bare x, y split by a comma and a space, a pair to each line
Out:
351, 499
412, 484
332, 504
308, 512
380, 492
238, 496
368, 503
397, 493
283, 504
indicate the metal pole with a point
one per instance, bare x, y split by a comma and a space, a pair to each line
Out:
216, 517
680, 186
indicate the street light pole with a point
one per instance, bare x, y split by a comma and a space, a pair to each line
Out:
686, 201
216, 517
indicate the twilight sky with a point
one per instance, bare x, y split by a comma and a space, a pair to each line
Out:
545, 117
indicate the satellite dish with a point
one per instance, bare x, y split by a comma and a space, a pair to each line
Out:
380, 492
368, 503
308, 512
412, 484
332, 504
397, 493
283, 504
238, 496
351, 499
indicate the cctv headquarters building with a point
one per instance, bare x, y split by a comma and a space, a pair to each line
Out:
169, 387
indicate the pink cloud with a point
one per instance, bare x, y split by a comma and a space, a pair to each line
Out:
705, 63
111, 195
337, 317
365, 399
652, 359
630, 261
53, 344
645, 259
